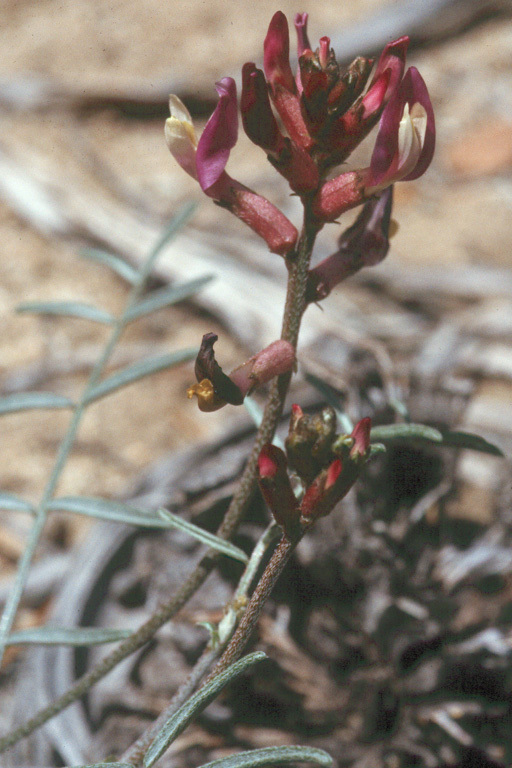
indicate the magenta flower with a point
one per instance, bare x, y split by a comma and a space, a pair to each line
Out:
218, 138
406, 139
206, 159
308, 122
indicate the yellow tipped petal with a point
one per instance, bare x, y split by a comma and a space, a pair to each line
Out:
179, 110
207, 400
181, 137
411, 135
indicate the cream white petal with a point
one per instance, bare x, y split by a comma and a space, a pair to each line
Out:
181, 137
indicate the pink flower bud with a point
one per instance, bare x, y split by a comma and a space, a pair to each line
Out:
260, 215
324, 51
276, 487
338, 195
277, 358
361, 437
301, 27
276, 54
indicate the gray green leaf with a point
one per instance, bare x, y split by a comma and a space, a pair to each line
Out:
69, 309
458, 439
105, 509
9, 501
215, 542
391, 432
106, 765
166, 297
138, 371
177, 723
256, 758
61, 636
24, 401
113, 262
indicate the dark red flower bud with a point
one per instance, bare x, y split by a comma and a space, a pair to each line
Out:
258, 119
364, 244
350, 85
276, 54
276, 63
325, 491
309, 441
276, 487
333, 483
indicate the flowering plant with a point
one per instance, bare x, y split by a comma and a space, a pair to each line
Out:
308, 123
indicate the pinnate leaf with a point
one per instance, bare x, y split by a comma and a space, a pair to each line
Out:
105, 509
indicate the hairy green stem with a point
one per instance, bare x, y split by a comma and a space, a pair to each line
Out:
294, 309
135, 753
277, 562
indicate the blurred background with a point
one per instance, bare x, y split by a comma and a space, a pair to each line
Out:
83, 163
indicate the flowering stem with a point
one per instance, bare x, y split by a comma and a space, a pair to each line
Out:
135, 753
277, 562
294, 309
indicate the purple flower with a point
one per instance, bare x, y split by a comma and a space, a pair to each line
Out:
406, 139
219, 136
206, 159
